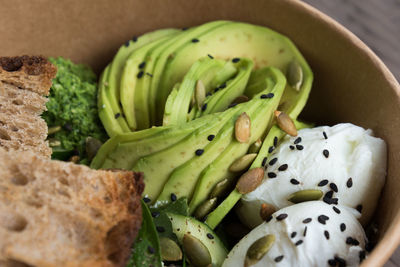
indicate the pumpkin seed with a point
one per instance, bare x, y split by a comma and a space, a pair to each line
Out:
53, 130
266, 210
250, 180
92, 146
255, 147
221, 188
170, 251
305, 195
196, 251
242, 128
205, 208
285, 123
54, 142
258, 249
242, 163
240, 99
200, 93
295, 75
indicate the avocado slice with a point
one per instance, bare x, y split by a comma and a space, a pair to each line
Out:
218, 170
182, 225
234, 40
110, 82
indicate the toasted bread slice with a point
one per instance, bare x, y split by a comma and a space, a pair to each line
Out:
24, 81
55, 213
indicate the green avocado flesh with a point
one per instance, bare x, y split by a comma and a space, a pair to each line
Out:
169, 102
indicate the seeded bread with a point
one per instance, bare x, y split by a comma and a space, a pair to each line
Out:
55, 213
24, 81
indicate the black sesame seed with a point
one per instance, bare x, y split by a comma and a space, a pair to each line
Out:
142, 65
359, 208
160, 229
199, 152
155, 214
351, 241
279, 258
322, 219
275, 141
146, 200
204, 107
149, 74
323, 183
117, 115
292, 235
342, 262
336, 210
222, 86
324, 134
334, 201
210, 56
235, 60
283, 167
294, 181
298, 140
210, 137
342, 227
326, 153
298, 243
361, 255
266, 96
291, 147
173, 197
216, 89
208, 94
273, 161
264, 161
140, 74
134, 38
210, 236
332, 262
329, 194
282, 216
271, 175
349, 182
308, 220
334, 187
269, 218
326, 234
299, 147
150, 249
270, 149
127, 43
195, 40
305, 231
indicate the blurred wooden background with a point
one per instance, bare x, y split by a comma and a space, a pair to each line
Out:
377, 23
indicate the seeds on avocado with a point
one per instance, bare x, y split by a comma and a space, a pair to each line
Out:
285, 123
210, 236
195, 40
270, 149
210, 56
235, 60
199, 152
266, 210
205, 208
140, 74
305, 195
255, 147
170, 251
250, 180
92, 145
53, 130
173, 197
264, 161
200, 93
295, 75
149, 74
258, 249
267, 96
242, 128
142, 65
117, 115
54, 142
196, 251
210, 137
276, 141
220, 188
242, 163
204, 107
134, 39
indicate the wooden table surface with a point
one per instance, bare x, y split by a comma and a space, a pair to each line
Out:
377, 23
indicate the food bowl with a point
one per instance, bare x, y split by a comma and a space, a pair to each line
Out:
351, 82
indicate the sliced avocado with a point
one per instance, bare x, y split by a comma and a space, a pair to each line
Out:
235, 40
219, 168
131, 97
182, 225
202, 70
110, 83
158, 58
169, 105
216, 216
